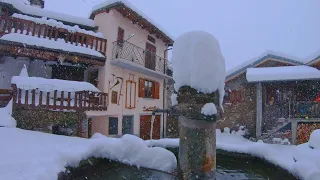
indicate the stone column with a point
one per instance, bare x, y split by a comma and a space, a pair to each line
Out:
197, 148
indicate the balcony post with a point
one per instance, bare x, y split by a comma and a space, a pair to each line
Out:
259, 111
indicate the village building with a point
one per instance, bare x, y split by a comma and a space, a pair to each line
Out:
136, 71
58, 58
115, 62
274, 97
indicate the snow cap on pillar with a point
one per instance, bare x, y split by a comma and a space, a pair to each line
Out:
24, 71
197, 62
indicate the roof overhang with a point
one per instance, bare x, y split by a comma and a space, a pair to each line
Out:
284, 73
9, 48
125, 64
258, 62
136, 18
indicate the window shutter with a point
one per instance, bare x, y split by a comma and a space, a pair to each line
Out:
156, 90
141, 87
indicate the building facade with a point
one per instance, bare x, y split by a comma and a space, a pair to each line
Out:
135, 72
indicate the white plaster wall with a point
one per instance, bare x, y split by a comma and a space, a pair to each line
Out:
108, 24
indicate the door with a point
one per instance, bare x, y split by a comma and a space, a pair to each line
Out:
127, 125
145, 127
150, 57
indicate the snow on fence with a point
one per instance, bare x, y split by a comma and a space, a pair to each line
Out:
60, 100
22, 26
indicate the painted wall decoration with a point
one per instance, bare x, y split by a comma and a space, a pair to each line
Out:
113, 84
114, 97
130, 101
152, 108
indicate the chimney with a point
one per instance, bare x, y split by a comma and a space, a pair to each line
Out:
37, 3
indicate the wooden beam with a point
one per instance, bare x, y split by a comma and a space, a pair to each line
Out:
259, 111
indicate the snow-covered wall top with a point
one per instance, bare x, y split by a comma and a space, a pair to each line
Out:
58, 24
107, 3
197, 62
60, 44
285, 73
30, 10
48, 85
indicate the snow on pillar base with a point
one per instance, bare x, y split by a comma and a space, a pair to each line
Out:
197, 148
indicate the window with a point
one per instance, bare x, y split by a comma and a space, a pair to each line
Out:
151, 39
127, 125
120, 38
149, 89
114, 97
113, 125
234, 96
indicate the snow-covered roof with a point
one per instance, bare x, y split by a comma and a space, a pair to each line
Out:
35, 11
237, 70
109, 4
60, 44
58, 24
283, 73
48, 85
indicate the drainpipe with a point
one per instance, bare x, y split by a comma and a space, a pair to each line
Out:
164, 120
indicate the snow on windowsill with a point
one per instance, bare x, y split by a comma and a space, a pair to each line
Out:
60, 44
58, 24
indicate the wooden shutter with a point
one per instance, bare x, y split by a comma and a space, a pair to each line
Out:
141, 87
156, 90
120, 35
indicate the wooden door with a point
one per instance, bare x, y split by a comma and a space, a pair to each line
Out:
120, 37
145, 127
150, 57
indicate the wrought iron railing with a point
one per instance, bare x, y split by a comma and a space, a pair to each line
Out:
15, 25
130, 52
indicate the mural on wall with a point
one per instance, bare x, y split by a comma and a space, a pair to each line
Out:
113, 84
131, 85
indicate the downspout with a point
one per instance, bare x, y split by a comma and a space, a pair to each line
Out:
164, 123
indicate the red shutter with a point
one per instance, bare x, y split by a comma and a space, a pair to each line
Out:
141, 87
156, 90
120, 35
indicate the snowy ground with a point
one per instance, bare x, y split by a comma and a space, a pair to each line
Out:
302, 161
30, 155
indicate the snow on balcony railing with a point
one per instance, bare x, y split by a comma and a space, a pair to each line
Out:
31, 28
59, 100
127, 51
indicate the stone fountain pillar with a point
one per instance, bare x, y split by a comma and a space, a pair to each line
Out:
197, 148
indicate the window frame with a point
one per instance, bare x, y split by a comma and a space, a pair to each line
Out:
116, 130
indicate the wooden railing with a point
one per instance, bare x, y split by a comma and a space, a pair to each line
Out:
15, 25
60, 100
302, 109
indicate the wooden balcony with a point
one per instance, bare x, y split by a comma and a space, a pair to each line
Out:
134, 57
15, 25
56, 100
298, 109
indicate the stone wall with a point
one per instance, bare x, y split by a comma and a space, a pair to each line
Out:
172, 127
42, 120
241, 113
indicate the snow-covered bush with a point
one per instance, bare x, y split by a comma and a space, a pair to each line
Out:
226, 130
209, 109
